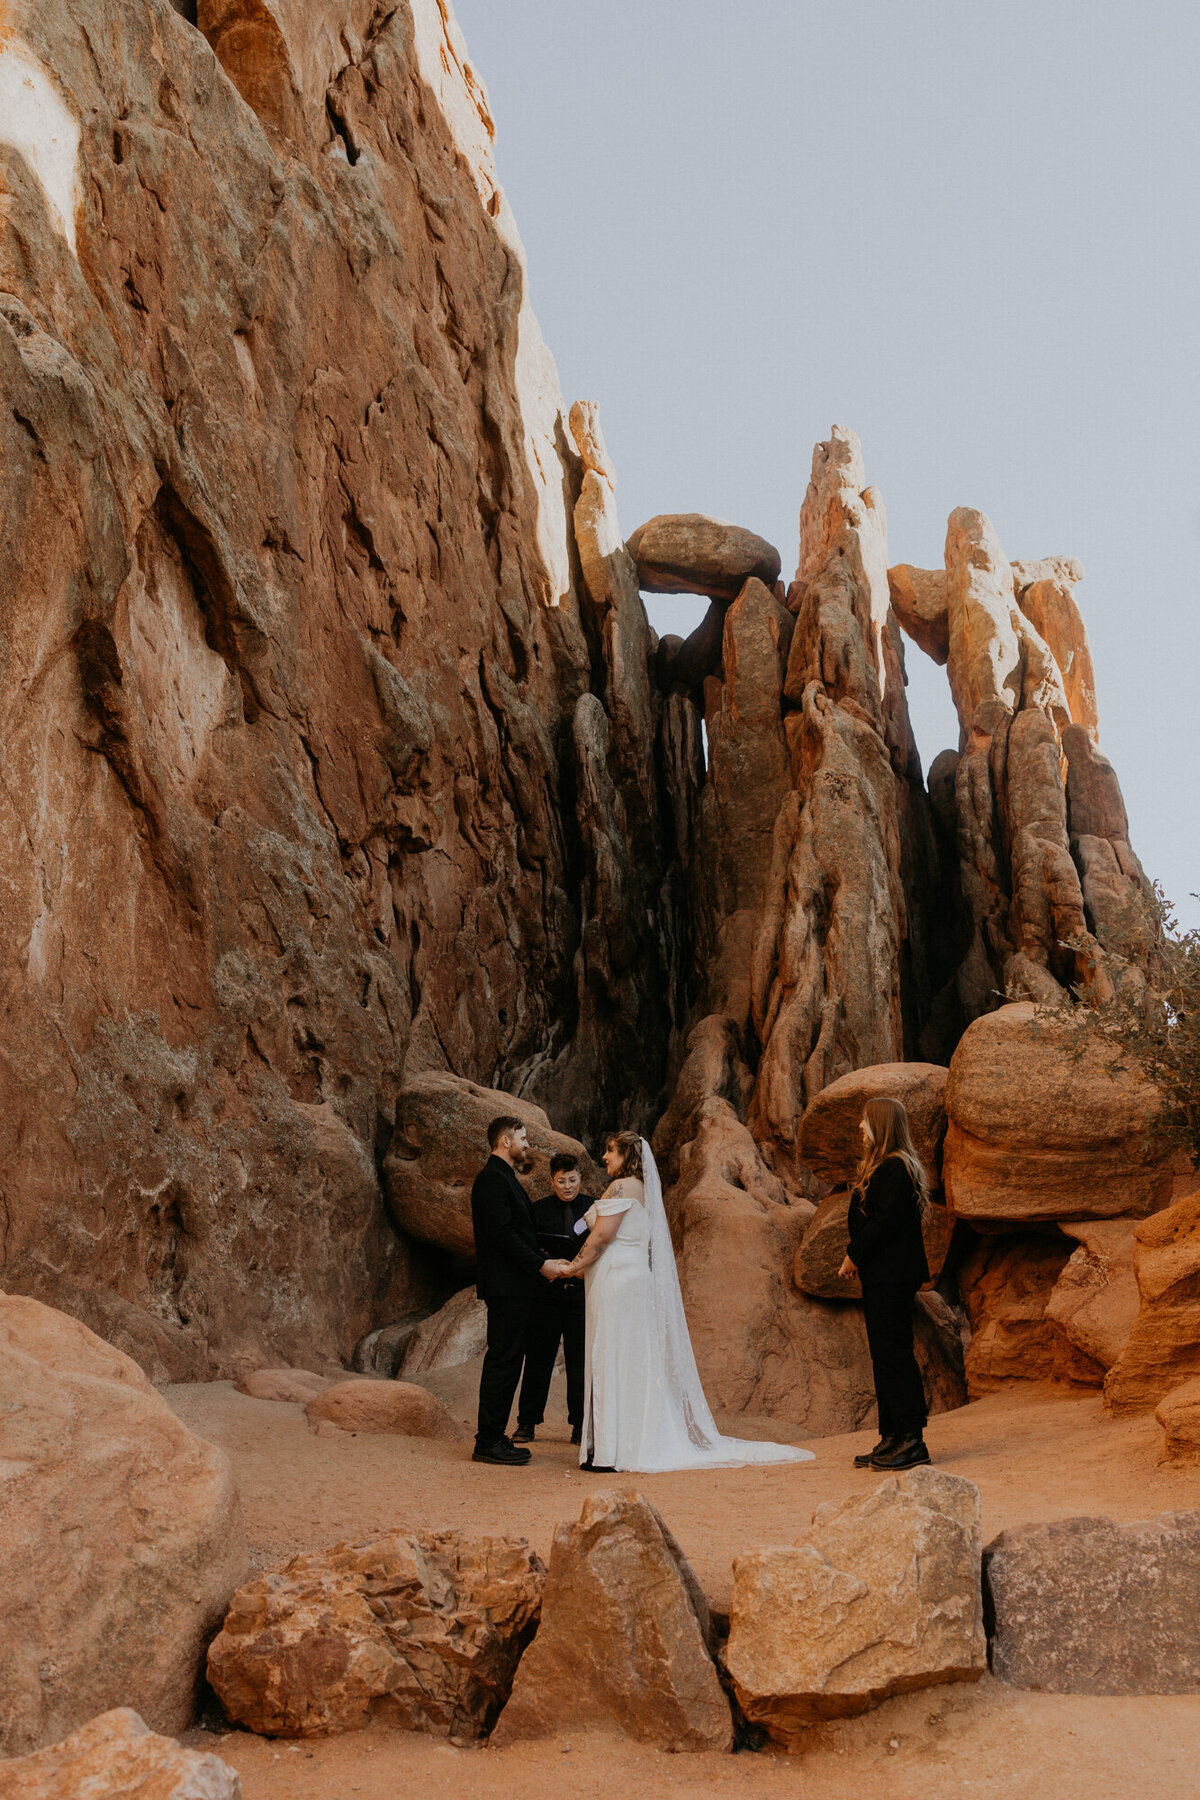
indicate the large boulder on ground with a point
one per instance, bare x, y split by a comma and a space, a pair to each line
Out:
830, 1137
690, 553
625, 1639
395, 1406
1043, 1124
1095, 1299
121, 1539
1163, 1346
1007, 1285
879, 1597
823, 1247
439, 1146
1087, 1606
454, 1334
426, 1629
118, 1757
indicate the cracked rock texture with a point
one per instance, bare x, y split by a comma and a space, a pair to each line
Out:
298, 799
424, 1631
118, 1756
881, 1595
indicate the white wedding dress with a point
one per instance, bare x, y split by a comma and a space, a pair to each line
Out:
644, 1407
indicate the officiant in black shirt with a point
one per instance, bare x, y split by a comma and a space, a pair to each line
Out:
558, 1309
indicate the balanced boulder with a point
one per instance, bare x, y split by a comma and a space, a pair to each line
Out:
691, 553
625, 1639
427, 1628
1044, 1125
1087, 1606
121, 1539
118, 1757
879, 1597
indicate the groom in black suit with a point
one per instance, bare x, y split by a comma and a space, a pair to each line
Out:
509, 1267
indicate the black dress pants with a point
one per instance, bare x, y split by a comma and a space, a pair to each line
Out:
888, 1310
558, 1316
507, 1327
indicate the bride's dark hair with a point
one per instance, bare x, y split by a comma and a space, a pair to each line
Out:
630, 1146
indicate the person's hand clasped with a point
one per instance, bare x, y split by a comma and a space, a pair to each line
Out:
847, 1270
555, 1270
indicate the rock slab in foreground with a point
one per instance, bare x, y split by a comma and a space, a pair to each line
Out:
624, 1640
426, 1629
118, 1757
881, 1596
121, 1539
1087, 1606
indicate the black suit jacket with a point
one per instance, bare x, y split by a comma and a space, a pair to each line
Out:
886, 1246
508, 1260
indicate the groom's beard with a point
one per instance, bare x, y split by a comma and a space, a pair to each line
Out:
524, 1164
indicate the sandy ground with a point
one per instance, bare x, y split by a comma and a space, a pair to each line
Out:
1034, 1452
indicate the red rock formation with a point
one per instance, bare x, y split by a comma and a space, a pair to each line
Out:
298, 799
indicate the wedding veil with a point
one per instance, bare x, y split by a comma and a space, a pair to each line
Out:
677, 1359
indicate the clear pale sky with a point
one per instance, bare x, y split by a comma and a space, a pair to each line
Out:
971, 232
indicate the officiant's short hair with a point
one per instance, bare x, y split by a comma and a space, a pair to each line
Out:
498, 1127
562, 1160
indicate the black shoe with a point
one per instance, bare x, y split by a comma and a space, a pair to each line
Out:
577, 1434
591, 1468
524, 1434
502, 1451
907, 1454
882, 1447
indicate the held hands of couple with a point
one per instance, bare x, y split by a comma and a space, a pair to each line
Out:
556, 1270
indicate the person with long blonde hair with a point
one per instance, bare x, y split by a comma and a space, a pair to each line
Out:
887, 1253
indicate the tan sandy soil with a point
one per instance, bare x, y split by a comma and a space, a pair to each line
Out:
1034, 1452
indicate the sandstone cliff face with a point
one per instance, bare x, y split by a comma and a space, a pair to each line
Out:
303, 778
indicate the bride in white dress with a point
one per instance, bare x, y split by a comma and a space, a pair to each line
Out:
644, 1407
